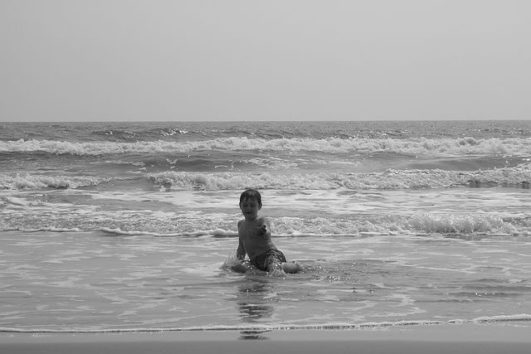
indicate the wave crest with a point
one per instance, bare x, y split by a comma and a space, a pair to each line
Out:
519, 176
455, 225
417, 146
391, 179
30, 181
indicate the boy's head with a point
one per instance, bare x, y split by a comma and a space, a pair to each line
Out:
251, 194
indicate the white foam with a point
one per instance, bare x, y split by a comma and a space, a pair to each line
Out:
382, 222
215, 233
518, 176
455, 224
415, 146
35, 181
459, 224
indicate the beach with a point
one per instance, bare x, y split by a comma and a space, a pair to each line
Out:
386, 146
411, 236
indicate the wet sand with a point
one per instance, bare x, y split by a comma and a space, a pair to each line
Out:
485, 339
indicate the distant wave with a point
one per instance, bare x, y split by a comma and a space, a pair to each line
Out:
391, 179
519, 176
45, 229
33, 181
118, 134
420, 146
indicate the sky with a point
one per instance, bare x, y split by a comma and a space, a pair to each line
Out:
246, 60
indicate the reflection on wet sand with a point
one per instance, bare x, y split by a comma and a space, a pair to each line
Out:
254, 334
254, 303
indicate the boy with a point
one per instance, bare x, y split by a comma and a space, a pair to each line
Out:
255, 238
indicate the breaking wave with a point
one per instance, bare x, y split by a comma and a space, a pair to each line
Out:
454, 225
519, 177
32, 181
417, 146
391, 179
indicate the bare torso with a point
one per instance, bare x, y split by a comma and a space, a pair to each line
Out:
255, 238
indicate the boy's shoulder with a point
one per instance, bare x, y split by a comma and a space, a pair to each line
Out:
258, 221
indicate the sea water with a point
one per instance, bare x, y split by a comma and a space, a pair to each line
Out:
132, 226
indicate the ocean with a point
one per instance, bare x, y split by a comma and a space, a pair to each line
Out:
131, 227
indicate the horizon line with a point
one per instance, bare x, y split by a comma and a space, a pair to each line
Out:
275, 121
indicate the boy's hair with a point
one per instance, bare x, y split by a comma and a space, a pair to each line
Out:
251, 194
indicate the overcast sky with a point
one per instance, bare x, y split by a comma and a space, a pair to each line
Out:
127, 60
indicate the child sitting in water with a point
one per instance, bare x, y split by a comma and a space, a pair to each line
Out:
255, 238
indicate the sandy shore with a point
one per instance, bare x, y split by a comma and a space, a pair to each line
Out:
483, 339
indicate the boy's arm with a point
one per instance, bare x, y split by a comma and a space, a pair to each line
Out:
264, 228
240, 252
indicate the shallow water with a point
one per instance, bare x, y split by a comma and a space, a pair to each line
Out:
98, 282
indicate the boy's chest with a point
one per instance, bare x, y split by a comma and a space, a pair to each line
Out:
247, 229
249, 233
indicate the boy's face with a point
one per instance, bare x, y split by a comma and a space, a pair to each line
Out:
249, 208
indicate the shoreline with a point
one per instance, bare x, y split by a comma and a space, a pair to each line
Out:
451, 338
